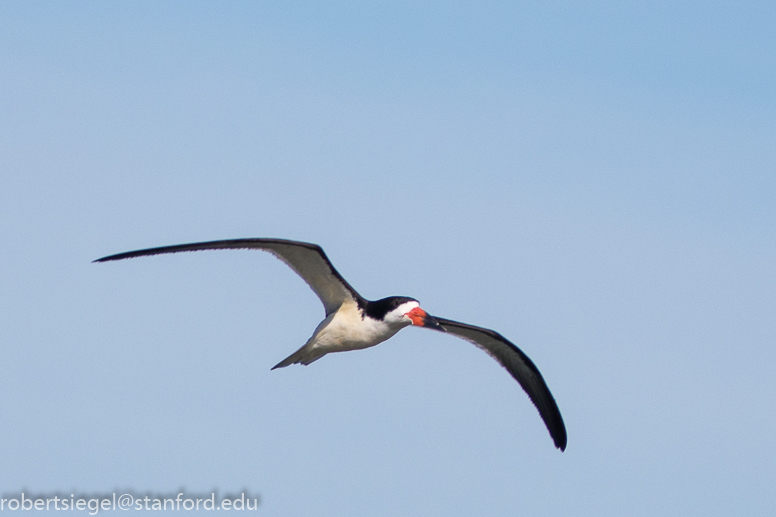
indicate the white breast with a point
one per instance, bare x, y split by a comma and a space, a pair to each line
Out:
347, 330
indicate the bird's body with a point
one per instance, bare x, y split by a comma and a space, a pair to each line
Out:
347, 329
353, 322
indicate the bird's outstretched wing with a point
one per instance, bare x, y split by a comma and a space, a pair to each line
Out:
307, 260
521, 368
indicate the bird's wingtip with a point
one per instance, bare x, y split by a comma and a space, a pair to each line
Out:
561, 442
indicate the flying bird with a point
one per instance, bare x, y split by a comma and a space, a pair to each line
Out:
353, 322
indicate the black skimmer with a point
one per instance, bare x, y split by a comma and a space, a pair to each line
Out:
353, 322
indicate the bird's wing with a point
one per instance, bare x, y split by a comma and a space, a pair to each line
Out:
521, 368
308, 260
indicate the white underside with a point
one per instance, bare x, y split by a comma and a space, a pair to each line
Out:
347, 330
342, 331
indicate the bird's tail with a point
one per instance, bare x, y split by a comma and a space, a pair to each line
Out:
304, 355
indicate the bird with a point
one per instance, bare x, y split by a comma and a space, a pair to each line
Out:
352, 322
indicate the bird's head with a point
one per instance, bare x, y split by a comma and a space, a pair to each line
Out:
400, 310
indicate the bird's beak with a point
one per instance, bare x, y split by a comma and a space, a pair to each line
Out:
421, 318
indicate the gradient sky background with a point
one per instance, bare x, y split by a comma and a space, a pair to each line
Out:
597, 183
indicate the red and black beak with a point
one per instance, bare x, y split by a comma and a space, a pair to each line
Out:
421, 318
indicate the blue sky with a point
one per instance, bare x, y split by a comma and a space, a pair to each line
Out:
596, 182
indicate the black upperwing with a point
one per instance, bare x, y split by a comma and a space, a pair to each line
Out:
307, 260
522, 369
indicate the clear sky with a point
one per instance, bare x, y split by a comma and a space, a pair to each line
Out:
596, 181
